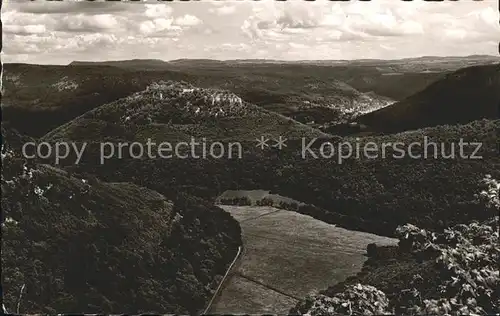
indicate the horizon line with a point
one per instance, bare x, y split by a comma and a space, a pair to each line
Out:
258, 59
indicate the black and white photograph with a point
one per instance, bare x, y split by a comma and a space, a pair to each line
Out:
241, 157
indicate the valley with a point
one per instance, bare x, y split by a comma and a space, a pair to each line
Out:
285, 257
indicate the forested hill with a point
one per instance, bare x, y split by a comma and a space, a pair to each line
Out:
460, 97
176, 111
78, 244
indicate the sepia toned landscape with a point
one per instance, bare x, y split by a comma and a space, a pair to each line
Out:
250, 158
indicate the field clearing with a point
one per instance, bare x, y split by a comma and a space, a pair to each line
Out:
290, 253
245, 213
246, 295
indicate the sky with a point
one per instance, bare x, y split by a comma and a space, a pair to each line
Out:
60, 32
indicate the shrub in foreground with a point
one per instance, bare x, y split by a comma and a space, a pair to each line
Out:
465, 260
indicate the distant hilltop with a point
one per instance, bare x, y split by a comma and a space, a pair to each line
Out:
119, 62
160, 62
423, 64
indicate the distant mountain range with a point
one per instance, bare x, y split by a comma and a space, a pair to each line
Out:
436, 63
394, 79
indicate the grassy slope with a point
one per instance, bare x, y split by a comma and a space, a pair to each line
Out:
246, 295
292, 253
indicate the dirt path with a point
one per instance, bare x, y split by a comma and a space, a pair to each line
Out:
221, 284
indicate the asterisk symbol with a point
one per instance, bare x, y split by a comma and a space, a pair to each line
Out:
280, 143
262, 142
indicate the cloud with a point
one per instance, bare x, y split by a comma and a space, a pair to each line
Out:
158, 10
82, 23
64, 7
224, 10
14, 18
60, 31
303, 19
334, 22
160, 27
361, 27
25, 29
188, 20
235, 47
160, 22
